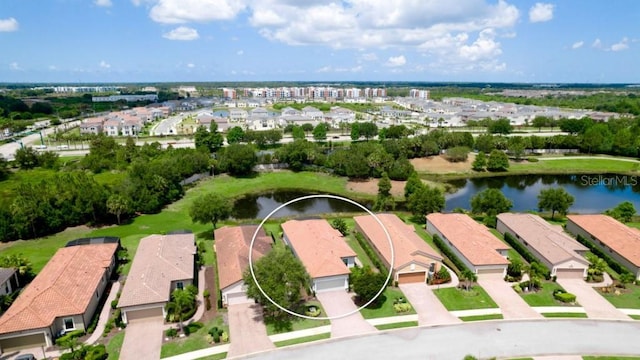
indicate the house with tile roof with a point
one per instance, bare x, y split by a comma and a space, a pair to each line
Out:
322, 250
162, 264
561, 253
473, 243
413, 259
63, 297
618, 240
232, 252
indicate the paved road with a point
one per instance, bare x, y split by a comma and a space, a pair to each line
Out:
248, 333
596, 306
8, 150
503, 339
337, 303
142, 339
510, 303
430, 310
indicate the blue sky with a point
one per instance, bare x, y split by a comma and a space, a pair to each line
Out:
325, 40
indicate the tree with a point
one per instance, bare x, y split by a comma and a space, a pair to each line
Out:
500, 126
282, 277
210, 208
540, 122
367, 283
516, 147
238, 159
211, 139
27, 157
498, 161
298, 133
182, 301
369, 130
480, 162
355, 131
623, 212
384, 200
490, 202
306, 127
425, 200
118, 205
412, 185
320, 132
340, 225
457, 154
235, 135
485, 143
4, 168
597, 138
21, 264
555, 200
468, 278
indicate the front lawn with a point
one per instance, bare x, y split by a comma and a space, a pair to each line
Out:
544, 296
215, 357
628, 298
482, 317
195, 341
611, 358
114, 346
295, 323
397, 325
565, 315
301, 340
635, 317
458, 299
385, 308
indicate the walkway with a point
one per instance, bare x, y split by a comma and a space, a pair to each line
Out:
247, 331
596, 306
430, 310
104, 314
337, 303
510, 303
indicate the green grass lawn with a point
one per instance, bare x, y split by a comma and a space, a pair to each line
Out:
114, 345
302, 340
611, 357
544, 296
215, 357
397, 325
635, 317
386, 308
512, 253
482, 317
458, 299
565, 315
595, 164
629, 298
298, 323
195, 341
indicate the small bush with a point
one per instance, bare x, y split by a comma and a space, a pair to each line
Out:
216, 337
313, 311
224, 337
517, 288
402, 307
532, 159
171, 333
565, 297
114, 304
68, 336
193, 327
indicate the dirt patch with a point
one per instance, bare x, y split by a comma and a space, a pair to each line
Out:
439, 165
210, 284
371, 187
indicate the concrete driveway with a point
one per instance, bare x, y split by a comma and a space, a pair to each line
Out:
337, 303
593, 303
142, 339
510, 303
430, 310
247, 331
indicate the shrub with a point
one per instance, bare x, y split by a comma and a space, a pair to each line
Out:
194, 326
97, 352
565, 297
68, 336
402, 307
457, 154
441, 277
599, 253
371, 254
312, 311
192, 289
449, 254
517, 288
114, 304
522, 250
171, 333
532, 159
224, 337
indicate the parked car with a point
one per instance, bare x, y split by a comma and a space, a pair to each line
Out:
25, 357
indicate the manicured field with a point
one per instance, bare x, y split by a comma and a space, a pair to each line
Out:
458, 299
386, 308
576, 165
302, 340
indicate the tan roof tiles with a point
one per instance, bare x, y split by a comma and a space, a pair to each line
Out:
159, 260
232, 251
64, 287
319, 246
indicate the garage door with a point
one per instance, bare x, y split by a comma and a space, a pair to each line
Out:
22, 342
414, 277
133, 315
570, 273
490, 271
330, 284
238, 298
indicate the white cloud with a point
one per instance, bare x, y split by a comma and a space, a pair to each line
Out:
577, 45
324, 69
103, 3
191, 65
52, 67
622, 45
239, 52
396, 61
105, 65
182, 33
183, 11
369, 57
597, 44
14, 66
8, 25
541, 12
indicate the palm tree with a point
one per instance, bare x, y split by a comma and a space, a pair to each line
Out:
468, 277
181, 301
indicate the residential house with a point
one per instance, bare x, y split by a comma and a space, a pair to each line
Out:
312, 113
259, 113
323, 252
132, 126
473, 243
63, 297
8, 281
232, 251
562, 254
289, 111
614, 238
162, 264
238, 115
413, 259
91, 126
112, 127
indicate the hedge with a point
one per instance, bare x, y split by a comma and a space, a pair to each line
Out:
599, 253
565, 297
522, 250
68, 336
373, 256
446, 251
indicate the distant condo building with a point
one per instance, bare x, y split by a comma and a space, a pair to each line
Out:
420, 94
114, 98
229, 93
312, 93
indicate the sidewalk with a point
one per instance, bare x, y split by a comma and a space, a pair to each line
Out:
200, 353
104, 314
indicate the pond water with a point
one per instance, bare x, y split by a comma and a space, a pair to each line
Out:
592, 193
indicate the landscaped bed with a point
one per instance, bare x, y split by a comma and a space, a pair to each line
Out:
197, 340
628, 298
295, 323
459, 299
544, 296
386, 308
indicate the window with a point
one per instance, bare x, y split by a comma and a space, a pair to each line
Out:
97, 295
345, 261
180, 285
69, 324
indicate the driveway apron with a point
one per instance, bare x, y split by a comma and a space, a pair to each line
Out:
142, 339
593, 303
510, 303
247, 331
430, 310
337, 303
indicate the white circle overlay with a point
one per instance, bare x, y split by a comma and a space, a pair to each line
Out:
317, 196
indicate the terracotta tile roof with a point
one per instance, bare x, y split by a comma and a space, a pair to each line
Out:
64, 287
159, 260
616, 235
319, 246
6, 274
232, 251
474, 241
407, 245
548, 240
